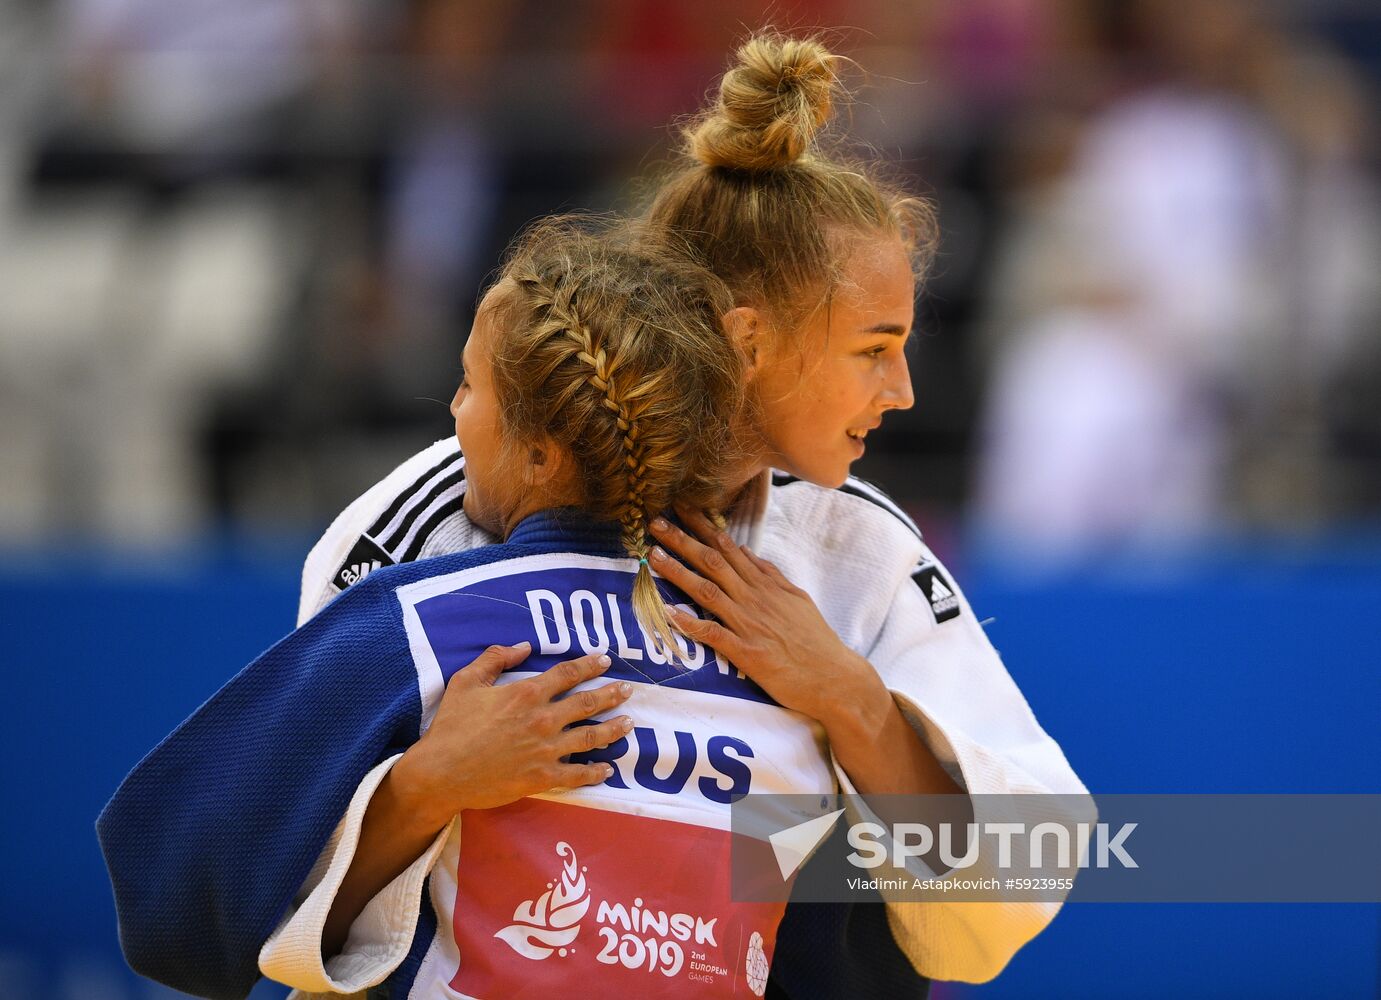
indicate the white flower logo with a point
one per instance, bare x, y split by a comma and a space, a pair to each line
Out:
551, 921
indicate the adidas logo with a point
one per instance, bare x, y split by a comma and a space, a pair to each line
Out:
354, 574
943, 600
363, 559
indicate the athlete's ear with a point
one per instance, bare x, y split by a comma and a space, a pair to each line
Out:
747, 328
547, 465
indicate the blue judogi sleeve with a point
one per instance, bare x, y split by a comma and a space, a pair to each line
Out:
212, 833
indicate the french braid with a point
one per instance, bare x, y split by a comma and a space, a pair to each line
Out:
617, 354
634, 515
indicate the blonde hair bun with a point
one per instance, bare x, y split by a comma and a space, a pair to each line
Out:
773, 101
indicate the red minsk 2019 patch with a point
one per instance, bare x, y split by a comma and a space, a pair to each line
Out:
551, 894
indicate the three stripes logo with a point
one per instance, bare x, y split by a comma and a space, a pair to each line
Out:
363, 559
401, 532
357, 572
943, 601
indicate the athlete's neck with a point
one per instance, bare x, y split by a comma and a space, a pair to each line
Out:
739, 479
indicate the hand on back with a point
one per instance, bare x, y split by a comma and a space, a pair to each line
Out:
491, 744
768, 627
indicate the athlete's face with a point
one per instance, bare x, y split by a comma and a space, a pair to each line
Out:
821, 388
494, 485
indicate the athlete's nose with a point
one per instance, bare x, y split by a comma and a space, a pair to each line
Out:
897, 393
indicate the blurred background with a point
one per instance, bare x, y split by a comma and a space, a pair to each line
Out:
240, 244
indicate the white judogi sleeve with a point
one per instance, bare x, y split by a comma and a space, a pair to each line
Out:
379, 937
954, 690
866, 569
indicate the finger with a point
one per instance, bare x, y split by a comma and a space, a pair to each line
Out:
580, 775
568, 673
767, 567
700, 526
707, 633
591, 702
718, 539
704, 592
709, 563
583, 739
485, 669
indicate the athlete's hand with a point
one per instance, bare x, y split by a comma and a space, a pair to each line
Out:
770, 628
491, 744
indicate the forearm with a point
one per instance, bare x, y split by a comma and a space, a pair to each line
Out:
878, 749
883, 756
517, 748
395, 833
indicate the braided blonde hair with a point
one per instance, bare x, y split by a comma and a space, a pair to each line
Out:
611, 346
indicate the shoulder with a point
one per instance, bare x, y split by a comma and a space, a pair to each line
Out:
858, 502
863, 542
392, 522
437, 573
846, 547
379, 599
